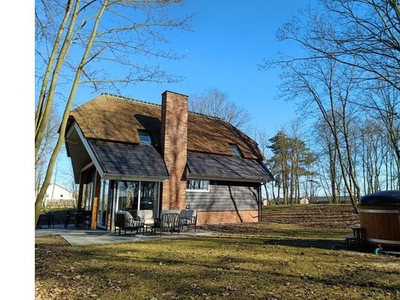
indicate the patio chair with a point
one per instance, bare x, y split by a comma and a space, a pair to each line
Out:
46, 218
146, 216
188, 218
72, 217
125, 221
168, 222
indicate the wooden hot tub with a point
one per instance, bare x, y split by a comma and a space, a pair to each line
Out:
380, 218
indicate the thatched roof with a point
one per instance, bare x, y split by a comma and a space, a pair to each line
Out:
118, 119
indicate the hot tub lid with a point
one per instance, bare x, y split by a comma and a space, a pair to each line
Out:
382, 198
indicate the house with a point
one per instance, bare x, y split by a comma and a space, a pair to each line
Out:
57, 196
304, 201
132, 155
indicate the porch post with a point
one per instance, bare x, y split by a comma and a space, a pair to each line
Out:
93, 224
95, 206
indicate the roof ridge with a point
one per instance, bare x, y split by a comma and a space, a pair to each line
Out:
207, 116
130, 99
146, 102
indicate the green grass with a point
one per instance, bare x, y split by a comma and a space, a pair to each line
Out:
277, 261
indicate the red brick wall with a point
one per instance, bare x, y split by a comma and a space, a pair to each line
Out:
218, 217
174, 120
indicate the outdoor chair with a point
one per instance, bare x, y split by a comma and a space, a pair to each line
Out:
146, 216
125, 221
46, 218
80, 218
72, 218
188, 218
168, 222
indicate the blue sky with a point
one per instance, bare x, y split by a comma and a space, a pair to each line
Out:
229, 41
230, 38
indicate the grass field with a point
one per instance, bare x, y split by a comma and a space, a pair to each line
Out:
269, 260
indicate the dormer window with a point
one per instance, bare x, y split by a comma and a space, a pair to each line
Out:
235, 150
144, 137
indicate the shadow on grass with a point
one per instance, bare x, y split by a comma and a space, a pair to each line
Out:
307, 243
320, 244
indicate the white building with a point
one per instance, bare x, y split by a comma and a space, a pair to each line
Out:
304, 201
57, 196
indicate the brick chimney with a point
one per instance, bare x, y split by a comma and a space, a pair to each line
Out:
174, 120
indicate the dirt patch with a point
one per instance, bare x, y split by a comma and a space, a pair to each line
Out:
316, 216
328, 216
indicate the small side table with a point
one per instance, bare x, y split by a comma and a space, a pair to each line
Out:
359, 234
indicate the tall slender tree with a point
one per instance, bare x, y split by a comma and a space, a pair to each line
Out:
358, 42
362, 34
108, 43
261, 137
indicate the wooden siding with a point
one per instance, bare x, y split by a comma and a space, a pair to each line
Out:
381, 223
223, 198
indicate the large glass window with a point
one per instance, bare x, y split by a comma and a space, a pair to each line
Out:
148, 195
128, 192
87, 192
136, 195
87, 196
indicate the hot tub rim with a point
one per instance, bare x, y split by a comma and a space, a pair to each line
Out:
384, 198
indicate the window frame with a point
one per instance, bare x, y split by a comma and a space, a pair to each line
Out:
145, 134
235, 150
198, 190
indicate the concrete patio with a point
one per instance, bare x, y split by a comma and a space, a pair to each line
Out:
81, 237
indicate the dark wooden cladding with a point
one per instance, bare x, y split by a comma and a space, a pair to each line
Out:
381, 223
223, 198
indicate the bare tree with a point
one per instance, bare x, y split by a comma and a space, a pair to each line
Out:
46, 149
362, 34
350, 46
372, 137
109, 43
327, 160
262, 139
215, 103
383, 106
325, 87
303, 161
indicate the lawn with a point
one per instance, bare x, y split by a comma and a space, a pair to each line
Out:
256, 261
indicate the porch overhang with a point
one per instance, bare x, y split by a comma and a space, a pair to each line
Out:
122, 161
133, 177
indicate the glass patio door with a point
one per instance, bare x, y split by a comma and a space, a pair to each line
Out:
148, 195
136, 195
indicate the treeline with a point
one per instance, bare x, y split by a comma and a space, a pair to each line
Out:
346, 81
